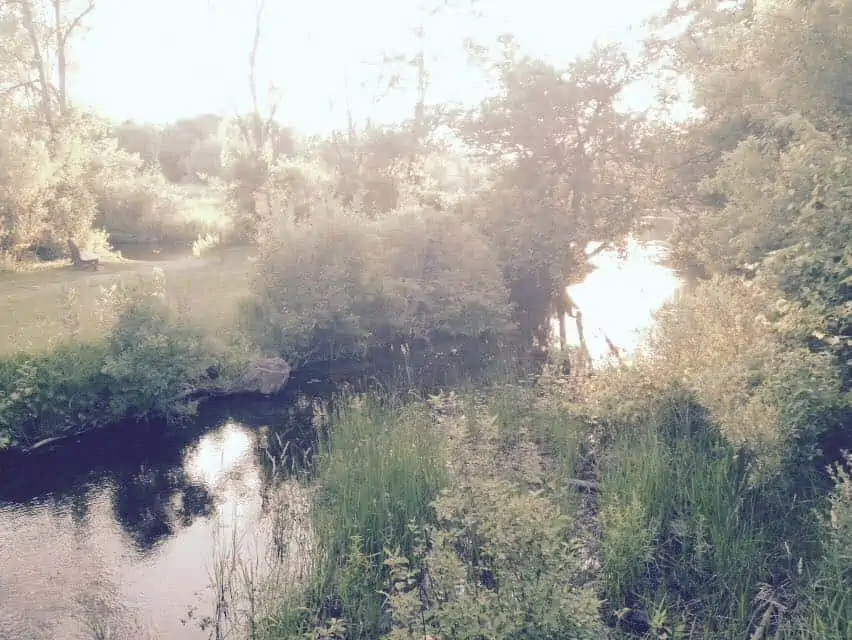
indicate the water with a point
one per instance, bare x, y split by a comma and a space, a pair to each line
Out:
619, 298
122, 527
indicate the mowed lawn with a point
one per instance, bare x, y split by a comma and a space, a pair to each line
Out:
41, 307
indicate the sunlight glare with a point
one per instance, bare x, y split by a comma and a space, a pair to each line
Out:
619, 298
322, 55
218, 453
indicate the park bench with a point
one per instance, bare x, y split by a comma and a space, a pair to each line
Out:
82, 260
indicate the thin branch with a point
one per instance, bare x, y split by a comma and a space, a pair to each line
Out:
21, 85
604, 246
75, 23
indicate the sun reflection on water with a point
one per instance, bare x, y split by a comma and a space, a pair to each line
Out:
619, 298
218, 454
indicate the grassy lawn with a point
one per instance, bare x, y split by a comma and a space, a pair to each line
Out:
39, 307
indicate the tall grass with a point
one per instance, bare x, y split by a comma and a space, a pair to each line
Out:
380, 466
684, 528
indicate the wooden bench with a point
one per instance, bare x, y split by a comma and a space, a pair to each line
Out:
82, 260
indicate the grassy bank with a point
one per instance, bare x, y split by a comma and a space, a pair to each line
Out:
501, 513
130, 341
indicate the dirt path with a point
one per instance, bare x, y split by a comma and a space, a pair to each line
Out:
55, 281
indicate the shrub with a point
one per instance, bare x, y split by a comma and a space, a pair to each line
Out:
153, 359
418, 290
775, 400
46, 394
146, 209
504, 566
45, 198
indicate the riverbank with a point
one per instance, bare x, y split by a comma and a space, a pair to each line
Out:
647, 499
134, 340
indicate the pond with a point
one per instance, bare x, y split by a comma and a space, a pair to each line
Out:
124, 529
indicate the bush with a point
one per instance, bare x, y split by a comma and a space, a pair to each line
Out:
418, 291
152, 358
504, 566
45, 198
146, 209
777, 401
46, 394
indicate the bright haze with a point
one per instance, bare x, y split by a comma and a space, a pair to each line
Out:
162, 60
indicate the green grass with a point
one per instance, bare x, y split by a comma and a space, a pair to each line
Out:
684, 530
40, 308
378, 475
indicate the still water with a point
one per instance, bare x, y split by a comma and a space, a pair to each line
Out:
117, 533
120, 529
619, 298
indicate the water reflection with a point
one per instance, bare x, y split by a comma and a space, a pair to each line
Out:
619, 298
120, 527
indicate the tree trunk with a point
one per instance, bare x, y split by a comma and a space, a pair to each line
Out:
584, 348
38, 58
61, 61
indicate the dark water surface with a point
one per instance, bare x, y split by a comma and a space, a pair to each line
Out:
119, 529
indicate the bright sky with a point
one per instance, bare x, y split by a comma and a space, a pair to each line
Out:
159, 60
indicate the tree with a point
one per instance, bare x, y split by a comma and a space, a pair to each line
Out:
773, 150
568, 168
49, 28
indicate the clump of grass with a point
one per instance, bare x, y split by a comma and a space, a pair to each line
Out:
683, 525
380, 466
826, 610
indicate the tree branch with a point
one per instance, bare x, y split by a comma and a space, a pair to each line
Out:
75, 23
604, 246
257, 130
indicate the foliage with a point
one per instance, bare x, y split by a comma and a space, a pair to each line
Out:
151, 357
46, 394
46, 194
713, 513
413, 289
504, 566
567, 168
768, 164
146, 209
147, 366
778, 401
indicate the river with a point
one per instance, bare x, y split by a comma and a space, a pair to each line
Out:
116, 533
